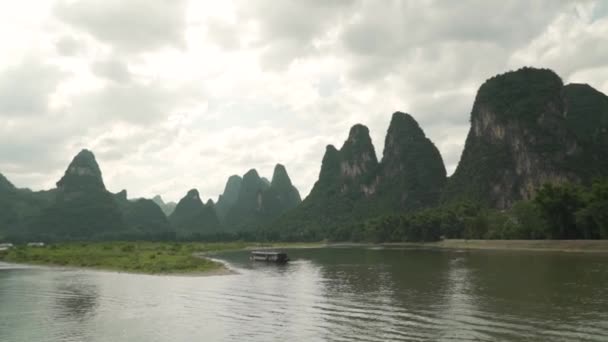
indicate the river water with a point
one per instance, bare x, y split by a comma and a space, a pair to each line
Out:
328, 294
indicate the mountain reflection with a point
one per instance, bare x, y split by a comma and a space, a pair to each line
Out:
75, 299
329, 294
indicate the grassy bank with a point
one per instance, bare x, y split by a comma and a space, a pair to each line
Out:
185, 258
588, 246
135, 257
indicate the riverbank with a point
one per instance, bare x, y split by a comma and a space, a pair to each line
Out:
131, 257
194, 259
579, 246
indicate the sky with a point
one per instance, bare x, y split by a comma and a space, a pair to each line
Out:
172, 95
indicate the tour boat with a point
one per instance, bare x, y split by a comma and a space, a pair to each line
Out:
269, 256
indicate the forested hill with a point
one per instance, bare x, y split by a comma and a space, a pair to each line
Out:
527, 130
81, 208
533, 166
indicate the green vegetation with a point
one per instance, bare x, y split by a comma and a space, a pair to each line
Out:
229, 197
564, 211
585, 246
143, 216
412, 174
587, 117
139, 257
518, 139
587, 114
245, 212
251, 201
192, 217
135, 257
354, 188
575, 212
77, 215
167, 208
527, 129
520, 95
280, 197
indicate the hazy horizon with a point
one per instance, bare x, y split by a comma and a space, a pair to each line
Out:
182, 94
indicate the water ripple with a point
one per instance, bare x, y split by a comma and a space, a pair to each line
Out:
325, 295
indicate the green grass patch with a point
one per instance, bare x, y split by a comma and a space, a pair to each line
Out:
136, 257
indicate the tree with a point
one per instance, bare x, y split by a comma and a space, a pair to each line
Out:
592, 220
558, 205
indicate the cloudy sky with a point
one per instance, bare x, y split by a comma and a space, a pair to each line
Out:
172, 95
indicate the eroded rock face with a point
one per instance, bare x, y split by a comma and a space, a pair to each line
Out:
353, 186
518, 140
358, 162
350, 170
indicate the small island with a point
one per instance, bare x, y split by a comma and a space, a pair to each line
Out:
132, 257
172, 258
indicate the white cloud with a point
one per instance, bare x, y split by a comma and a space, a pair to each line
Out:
576, 41
112, 69
133, 26
26, 87
172, 95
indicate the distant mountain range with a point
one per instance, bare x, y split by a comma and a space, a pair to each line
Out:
167, 208
527, 129
81, 208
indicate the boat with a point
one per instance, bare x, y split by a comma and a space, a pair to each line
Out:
269, 256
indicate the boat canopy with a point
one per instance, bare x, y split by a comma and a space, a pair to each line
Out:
266, 253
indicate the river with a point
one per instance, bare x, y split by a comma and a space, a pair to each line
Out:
324, 294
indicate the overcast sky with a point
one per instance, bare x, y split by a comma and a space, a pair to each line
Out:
172, 95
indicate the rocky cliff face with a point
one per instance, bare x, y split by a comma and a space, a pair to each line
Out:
192, 217
358, 162
354, 186
351, 170
519, 140
412, 174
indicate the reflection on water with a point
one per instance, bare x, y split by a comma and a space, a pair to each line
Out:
75, 299
334, 294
